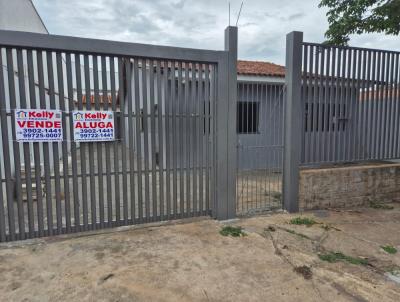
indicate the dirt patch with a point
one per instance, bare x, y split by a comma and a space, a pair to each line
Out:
304, 270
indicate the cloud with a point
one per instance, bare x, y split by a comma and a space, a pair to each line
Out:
263, 24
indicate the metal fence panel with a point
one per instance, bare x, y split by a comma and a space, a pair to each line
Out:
160, 165
350, 100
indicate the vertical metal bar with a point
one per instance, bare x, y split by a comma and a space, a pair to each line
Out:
383, 101
292, 122
186, 144
27, 158
370, 75
99, 144
106, 105
391, 109
145, 139
180, 142
78, 76
71, 106
200, 128
153, 132
168, 77
304, 102
64, 144
349, 103
46, 156
207, 134
138, 117
332, 98
93, 207
310, 105
378, 100
213, 85
6, 154
16, 150
56, 161
161, 97
326, 105
36, 150
117, 143
372, 107
357, 131
387, 108
131, 135
174, 148
194, 99
123, 67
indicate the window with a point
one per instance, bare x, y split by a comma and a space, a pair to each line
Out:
247, 117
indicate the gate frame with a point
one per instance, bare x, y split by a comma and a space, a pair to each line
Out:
293, 122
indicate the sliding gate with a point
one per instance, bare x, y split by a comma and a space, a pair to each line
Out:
158, 167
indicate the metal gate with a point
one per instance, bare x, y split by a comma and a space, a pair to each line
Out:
260, 109
159, 167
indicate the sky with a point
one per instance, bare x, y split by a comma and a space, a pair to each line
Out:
263, 24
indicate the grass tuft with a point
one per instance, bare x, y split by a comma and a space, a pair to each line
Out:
232, 231
333, 257
380, 206
303, 221
389, 249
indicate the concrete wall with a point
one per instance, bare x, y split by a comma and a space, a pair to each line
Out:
349, 186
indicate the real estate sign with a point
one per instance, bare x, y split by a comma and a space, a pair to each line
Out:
38, 125
93, 126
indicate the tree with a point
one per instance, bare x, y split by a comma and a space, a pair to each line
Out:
348, 17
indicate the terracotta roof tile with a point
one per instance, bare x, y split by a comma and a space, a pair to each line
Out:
258, 68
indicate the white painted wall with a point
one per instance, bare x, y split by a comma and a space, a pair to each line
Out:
20, 15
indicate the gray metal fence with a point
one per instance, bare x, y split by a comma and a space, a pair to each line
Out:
166, 160
260, 108
342, 105
351, 99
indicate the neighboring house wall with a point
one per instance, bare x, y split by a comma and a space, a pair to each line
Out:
20, 15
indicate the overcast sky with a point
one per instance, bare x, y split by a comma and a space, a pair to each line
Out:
263, 24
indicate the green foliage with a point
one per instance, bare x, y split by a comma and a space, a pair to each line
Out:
303, 221
348, 17
389, 249
332, 257
380, 206
232, 231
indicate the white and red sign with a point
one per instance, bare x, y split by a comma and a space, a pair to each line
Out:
38, 125
93, 126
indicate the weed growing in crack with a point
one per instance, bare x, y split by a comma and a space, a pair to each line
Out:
333, 257
389, 249
232, 231
303, 221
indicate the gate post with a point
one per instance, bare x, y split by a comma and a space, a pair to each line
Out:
293, 122
224, 206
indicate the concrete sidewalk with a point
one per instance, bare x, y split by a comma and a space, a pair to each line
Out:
276, 261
